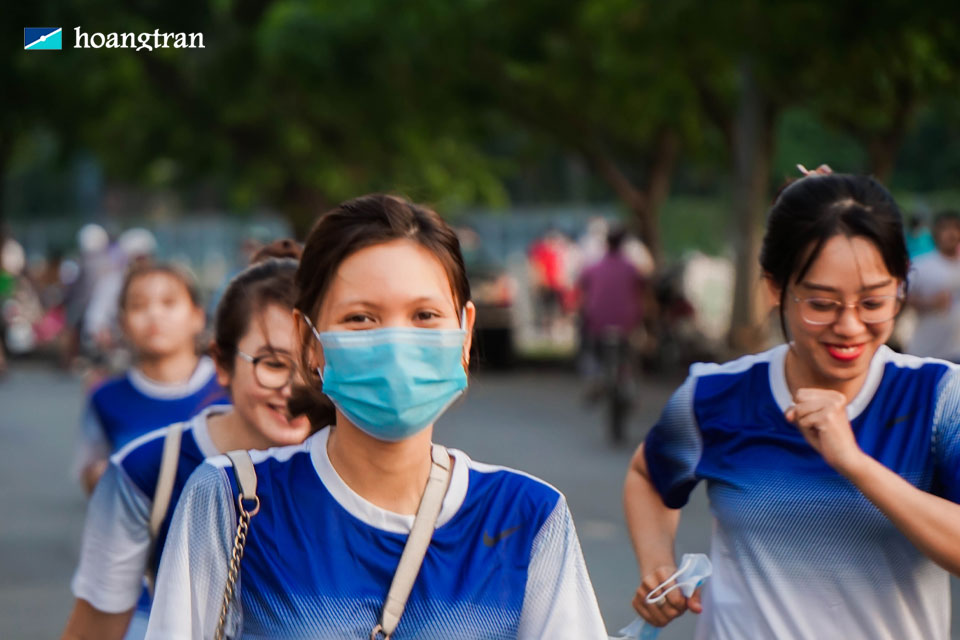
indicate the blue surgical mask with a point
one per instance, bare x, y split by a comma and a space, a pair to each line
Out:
392, 383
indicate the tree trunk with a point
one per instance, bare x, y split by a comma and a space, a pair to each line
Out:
302, 204
644, 205
666, 150
631, 195
882, 154
752, 153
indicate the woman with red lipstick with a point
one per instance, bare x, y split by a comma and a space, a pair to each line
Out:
127, 521
832, 463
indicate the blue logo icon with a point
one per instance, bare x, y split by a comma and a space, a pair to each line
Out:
42, 38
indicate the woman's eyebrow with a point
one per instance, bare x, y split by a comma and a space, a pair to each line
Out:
822, 287
368, 304
355, 302
268, 348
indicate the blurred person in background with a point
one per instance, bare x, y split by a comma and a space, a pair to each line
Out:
10, 261
385, 323
832, 462
593, 241
130, 512
93, 242
101, 329
935, 293
612, 293
161, 316
19, 303
919, 239
546, 264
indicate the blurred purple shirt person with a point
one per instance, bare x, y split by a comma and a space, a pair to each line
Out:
612, 291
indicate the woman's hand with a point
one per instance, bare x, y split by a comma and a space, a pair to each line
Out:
670, 607
821, 416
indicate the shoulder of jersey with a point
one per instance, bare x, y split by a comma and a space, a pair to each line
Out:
489, 481
740, 365
105, 388
907, 361
267, 457
148, 445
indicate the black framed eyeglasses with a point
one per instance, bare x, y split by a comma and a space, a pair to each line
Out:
870, 310
272, 370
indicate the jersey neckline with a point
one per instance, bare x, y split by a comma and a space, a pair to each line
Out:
201, 430
784, 399
198, 379
369, 513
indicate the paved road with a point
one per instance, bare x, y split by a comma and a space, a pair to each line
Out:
531, 420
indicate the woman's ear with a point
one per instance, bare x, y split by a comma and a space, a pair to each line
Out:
224, 376
470, 319
306, 340
774, 291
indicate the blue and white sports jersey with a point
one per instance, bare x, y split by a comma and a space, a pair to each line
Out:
116, 549
798, 552
504, 561
131, 405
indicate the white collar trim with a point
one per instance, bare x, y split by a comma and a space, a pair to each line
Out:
784, 399
367, 512
201, 430
163, 391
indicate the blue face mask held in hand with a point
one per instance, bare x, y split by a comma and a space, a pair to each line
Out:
392, 383
694, 569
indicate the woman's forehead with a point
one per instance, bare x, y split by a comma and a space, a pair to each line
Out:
156, 283
400, 271
848, 263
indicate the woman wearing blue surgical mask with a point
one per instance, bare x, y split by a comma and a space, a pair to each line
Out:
368, 530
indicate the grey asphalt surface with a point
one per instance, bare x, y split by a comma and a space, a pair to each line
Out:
532, 420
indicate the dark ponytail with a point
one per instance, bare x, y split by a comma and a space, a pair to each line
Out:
354, 225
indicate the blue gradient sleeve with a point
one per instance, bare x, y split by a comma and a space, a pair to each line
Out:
674, 446
946, 437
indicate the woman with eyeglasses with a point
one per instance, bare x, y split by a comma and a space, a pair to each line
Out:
832, 463
131, 508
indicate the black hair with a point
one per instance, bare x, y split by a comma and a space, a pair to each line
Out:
944, 217
615, 239
148, 268
815, 208
268, 280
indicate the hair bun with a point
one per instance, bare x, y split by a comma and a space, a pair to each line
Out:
285, 248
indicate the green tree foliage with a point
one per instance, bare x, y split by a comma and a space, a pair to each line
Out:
300, 103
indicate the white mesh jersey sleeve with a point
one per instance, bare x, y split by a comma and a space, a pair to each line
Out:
193, 569
92, 445
116, 544
946, 436
559, 601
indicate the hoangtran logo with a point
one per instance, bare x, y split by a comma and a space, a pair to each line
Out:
42, 38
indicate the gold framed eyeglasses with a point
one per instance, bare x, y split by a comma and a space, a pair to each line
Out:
272, 370
870, 310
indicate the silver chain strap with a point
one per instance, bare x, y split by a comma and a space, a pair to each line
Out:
239, 542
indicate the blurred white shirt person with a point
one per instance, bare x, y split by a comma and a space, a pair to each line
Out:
935, 293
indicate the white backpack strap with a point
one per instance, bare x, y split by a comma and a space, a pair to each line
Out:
166, 477
246, 476
417, 542
245, 473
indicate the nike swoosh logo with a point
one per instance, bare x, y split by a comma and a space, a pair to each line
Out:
898, 420
492, 540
